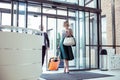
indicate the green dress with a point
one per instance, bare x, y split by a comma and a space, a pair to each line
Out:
65, 51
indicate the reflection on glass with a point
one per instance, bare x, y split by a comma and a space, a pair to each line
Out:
22, 6
66, 1
94, 58
5, 5
82, 40
21, 21
87, 27
6, 19
71, 13
34, 22
93, 29
52, 36
34, 8
81, 2
87, 58
60, 25
62, 12
72, 26
49, 10
90, 3
104, 32
72, 1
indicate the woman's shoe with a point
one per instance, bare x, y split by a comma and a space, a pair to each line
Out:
67, 72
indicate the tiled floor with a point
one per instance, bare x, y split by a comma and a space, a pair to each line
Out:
116, 74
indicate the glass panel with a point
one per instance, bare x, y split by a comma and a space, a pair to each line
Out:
21, 15
94, 57
71, 13
93, 40
82, 40
34, 21
62, 12
14, 15
52, 36
5, 5
72, 26
87, 28
72, 1
90, 3
58, 0
104, 31
93, 29
19, 18
60, 26
66, 1
87, 58
6, 19
81, 2
34, 8
49, 10
0, 18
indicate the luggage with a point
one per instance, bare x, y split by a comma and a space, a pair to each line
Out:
53, 63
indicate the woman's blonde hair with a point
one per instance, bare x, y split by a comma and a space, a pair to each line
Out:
67, 23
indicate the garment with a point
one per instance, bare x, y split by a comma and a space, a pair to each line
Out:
45, 45
66, 51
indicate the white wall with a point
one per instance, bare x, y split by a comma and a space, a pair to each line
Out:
20, 56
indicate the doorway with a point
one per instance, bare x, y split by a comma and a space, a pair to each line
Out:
84, 22
86, 35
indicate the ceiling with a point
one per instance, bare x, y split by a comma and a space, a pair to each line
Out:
59, 4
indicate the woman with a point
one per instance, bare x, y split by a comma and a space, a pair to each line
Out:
66, 51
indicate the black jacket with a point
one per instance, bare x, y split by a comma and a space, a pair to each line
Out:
46, 39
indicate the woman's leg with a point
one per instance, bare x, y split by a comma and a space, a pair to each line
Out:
66, 66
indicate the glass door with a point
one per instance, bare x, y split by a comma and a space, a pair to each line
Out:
85, 31
51, 30
54, 29
88, 39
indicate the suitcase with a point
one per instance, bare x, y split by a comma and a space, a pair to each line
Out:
53, 64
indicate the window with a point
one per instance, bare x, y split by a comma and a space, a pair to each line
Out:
5, 5
104, 33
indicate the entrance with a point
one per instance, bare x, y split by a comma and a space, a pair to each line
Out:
85, 31
83, 19
55, 27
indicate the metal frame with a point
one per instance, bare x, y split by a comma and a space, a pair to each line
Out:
0, 17
113, 23
17, 14
89, 43
12, 12
26, 14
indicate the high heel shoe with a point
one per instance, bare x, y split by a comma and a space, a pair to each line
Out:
67, 72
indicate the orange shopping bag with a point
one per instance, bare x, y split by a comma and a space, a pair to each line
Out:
53, 63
